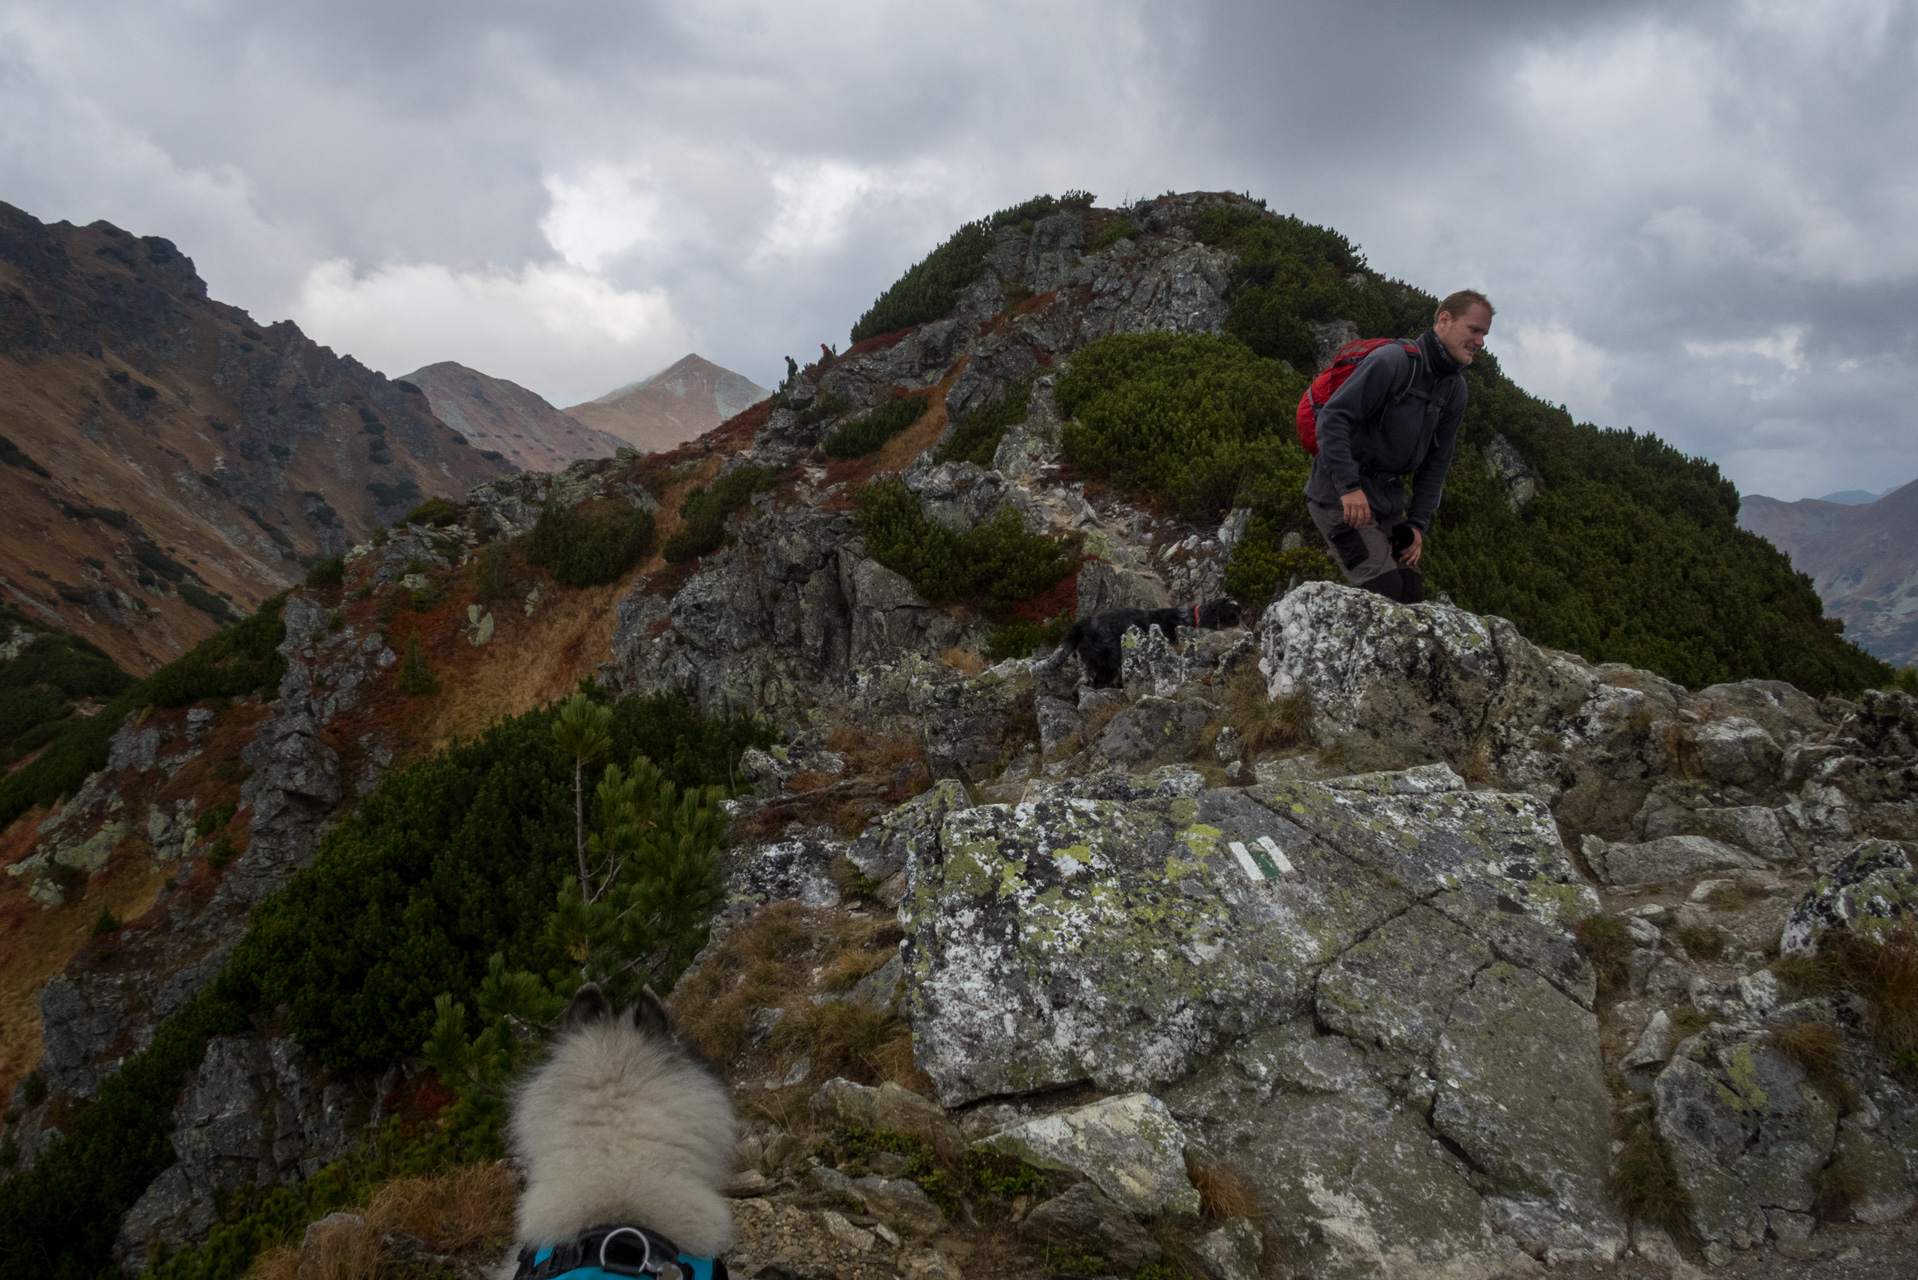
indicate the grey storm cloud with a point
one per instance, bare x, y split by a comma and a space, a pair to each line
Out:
1694, 220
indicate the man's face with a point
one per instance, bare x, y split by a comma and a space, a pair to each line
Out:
1463, 336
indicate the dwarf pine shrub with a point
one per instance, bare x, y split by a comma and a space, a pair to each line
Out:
996, 563
586, 550
703, 512
861, 436
1196, 421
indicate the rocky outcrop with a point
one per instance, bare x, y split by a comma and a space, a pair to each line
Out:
257, 1113
107, 1005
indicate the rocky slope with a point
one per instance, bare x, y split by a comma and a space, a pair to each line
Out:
688, 398
1862, 557
506, 418
1367, 940
164, 449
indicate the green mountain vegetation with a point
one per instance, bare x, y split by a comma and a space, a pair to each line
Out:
455, 885
233, 662
1629, 553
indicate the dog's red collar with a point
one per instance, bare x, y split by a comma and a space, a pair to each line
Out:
1195, 617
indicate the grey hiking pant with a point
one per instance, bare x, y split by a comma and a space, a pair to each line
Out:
1368, 556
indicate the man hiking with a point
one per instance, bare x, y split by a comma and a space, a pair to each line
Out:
1397, 414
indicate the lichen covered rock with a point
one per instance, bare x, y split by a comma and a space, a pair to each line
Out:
1866, 891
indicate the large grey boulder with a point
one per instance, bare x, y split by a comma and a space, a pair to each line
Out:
1363, 991
1748, 1132
1084, 1219
256, 1113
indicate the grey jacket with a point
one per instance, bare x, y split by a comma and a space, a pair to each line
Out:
1367, 441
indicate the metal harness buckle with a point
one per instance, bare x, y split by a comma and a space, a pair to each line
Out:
645, 1268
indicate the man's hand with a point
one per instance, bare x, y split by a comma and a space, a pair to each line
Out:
1410, 556
1358, 512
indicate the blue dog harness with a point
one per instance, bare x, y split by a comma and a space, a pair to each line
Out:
615, 1253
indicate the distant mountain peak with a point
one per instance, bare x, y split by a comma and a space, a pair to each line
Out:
503, 416
686, 399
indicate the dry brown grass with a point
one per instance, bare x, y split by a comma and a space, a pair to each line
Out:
1223, 1192
1883, 971
759, 965
462, 1210
965, 661
1608, 944
780, 958
854, 1040
1265, 724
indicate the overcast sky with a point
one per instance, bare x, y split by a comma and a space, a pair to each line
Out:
1700, 220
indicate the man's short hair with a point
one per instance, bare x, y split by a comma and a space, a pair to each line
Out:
1457, 304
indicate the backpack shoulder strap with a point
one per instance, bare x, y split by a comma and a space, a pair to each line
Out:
1415, 364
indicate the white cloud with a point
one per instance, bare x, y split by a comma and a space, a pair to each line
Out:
815, 202
1556, 364
1784, 347
605, 211
562, 331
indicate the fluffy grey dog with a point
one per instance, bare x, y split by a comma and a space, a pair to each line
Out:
624, 1125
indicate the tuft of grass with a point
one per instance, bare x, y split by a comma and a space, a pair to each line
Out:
1882, 971
1734, 897
106, 922
1835, 1190
1687, 1021
1608, 944
846, 1038
1265, 723
755, 967
1644, 1180
1702, 941
965, 661
466, 1209
1223, 1192
1818, 1048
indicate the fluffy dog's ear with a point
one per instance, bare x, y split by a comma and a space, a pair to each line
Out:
651, 1016
588, 1006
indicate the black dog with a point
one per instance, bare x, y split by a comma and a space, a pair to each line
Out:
1096, 639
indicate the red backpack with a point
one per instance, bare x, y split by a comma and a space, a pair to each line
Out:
1333, 377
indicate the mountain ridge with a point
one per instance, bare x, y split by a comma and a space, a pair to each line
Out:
167, 453
1861, 557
